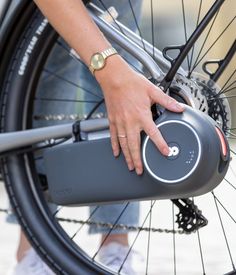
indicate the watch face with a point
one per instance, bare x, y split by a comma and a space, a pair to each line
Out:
97, 61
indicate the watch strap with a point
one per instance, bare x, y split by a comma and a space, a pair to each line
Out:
108, 52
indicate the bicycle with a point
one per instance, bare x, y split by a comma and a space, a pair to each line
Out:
29, 45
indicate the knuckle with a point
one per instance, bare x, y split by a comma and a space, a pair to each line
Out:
132, 144
113, 136
123, 143
169, 100
152, 132
151, 90
111, 119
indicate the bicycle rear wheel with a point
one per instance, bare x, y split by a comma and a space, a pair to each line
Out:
41, 92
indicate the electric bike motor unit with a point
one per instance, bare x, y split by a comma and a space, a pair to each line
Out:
87, 172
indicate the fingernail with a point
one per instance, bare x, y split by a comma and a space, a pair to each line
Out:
178, 106
139, 171
166, 151
116, 154
131, 167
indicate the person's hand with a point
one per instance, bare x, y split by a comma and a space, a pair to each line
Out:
129, 97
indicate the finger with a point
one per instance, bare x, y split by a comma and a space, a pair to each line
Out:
125, 149
134, 142
114, 141
155, 135
158, 96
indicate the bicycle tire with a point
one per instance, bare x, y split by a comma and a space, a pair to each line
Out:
15, 196
47, 237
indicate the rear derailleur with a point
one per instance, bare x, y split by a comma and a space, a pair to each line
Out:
189, 218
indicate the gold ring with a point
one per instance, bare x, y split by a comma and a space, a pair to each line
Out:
122, 136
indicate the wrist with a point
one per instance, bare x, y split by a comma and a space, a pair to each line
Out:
112, 71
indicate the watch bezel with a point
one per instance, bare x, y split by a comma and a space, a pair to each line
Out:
98, 64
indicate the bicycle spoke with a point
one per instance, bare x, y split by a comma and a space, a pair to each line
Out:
137, 24
228, 80
111, 229
213, 98
200, 248
185, 30
229, 90
82, 225
223, 230
106, 9
198, 20
213, 44
131, 246
232, 151
90, 114
72, 83
201, 255
204, 42
232, 135
227, 212
57, 211
152, 28
70, 52
149, 238
229, 86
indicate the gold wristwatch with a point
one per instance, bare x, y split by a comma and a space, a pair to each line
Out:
98, 60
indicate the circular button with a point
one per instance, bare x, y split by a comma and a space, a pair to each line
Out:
185, 151
174, 151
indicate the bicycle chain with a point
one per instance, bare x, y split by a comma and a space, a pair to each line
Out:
124, 226
61, 117
116, 226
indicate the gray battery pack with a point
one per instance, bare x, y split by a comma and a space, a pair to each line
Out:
87, 172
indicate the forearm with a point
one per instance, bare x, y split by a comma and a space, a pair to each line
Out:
74, 24
128, 95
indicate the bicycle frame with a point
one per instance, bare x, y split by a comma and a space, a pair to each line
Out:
153, 64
